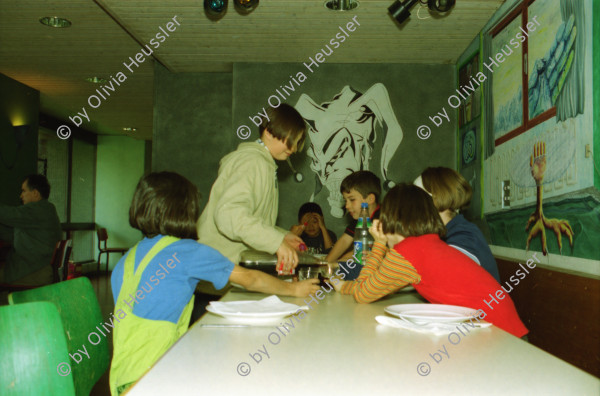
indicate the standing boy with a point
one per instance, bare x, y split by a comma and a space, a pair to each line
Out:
356, 188
243, 203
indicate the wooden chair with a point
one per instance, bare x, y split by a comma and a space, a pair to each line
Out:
60, 260
35, 359
80, 313
102, 240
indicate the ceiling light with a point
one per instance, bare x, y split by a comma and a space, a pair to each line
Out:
440, 5
215, 9
245, 6
400, 10
341, 5
129, 129
96, 80
56, 22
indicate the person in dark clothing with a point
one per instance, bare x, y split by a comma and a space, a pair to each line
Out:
33, 231
451, 193
312, 230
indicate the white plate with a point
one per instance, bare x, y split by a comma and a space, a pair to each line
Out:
431, 313
248, 318
265, 310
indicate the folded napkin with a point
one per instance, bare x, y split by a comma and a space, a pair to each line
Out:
428, 328
271, 304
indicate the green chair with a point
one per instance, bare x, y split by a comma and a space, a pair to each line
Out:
80, 313
34, 351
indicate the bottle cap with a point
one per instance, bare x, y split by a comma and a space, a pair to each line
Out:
364, 205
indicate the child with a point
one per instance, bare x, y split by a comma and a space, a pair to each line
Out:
242, 207
312, 229
451, 193
153, 284
359, 187
411, 227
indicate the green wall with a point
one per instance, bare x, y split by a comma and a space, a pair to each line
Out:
19, 105
120, 165
196, 116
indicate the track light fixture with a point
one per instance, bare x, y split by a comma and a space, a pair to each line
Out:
245, 6
400, 10
215, 9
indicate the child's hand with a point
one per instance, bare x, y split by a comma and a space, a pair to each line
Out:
293, 240
338, 285
377, 232
297, 229
305, 287
320, 221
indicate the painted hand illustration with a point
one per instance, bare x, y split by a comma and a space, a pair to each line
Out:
537, 163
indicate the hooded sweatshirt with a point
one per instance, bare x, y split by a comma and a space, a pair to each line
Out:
243, 203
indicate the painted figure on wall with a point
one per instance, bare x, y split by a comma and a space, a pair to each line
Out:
537, 162
342, 133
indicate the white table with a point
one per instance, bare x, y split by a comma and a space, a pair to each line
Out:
339, 349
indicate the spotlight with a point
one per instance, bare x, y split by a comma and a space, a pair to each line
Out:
400, 10
245, 6
440, 5
215, 8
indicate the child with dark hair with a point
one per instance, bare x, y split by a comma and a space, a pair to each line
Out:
451, 193
312, 230
411, 228
356, 188
153, 284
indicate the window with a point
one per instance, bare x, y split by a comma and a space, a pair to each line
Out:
537, 48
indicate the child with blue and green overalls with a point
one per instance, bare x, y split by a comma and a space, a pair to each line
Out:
153, 284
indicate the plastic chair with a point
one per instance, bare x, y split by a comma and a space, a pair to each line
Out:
80, 313
34, 351
103, 239
60, 260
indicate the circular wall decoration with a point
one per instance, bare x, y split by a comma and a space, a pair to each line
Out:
469, 147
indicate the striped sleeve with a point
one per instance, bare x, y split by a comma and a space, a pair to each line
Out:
381, 276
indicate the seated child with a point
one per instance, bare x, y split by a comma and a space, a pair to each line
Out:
411, 227
153, 283
356, 188
312, 229
451, 193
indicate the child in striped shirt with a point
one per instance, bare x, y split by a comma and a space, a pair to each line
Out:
408, 250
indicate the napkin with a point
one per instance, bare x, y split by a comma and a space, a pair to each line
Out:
271, 304
428, 328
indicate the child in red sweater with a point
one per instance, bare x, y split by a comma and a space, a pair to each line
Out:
411, 227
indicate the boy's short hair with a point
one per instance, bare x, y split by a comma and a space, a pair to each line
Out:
450, 190
284, 122
309, 207
165, 203
40, 183
365, 182
409, 211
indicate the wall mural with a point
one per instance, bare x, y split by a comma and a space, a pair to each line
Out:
342, 132
550, 175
